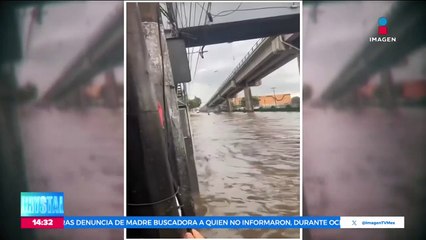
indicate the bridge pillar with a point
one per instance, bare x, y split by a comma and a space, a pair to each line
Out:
387, 97
230, 108
298, 62
110, 90
247, 98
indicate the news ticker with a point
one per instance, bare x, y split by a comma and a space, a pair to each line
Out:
244, 222
46, 210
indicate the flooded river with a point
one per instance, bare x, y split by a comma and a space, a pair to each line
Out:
355, 163
369, 163
80, 154
248, 165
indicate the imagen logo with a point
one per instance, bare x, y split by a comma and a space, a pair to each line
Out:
382, 31
383, 28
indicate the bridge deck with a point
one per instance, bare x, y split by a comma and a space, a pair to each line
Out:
266, 56
103, 51
404, 20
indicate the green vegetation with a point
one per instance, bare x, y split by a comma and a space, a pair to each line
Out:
27, 93
307, 92
254, 100
194, 103
295, 101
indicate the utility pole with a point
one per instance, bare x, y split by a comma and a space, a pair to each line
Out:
158, 165
275, 98
13, 179
149, 175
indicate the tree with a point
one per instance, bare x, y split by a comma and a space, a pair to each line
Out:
27, 93
194, 103
254, 100
295, 101
307, 92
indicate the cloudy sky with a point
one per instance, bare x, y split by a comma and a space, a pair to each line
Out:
221, 59
339, 32
65, 30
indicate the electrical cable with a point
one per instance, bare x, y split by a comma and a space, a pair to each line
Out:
167, 15
190, 14
231, 11
157, 202
179, 15
195, 14
209, 15
202, 6
201, 14
196, 64
246, 9
184, 13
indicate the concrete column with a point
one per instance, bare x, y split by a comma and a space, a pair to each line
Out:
247, 97
110, 90
13, 178
298, 62
230, 108
146, 127
81, 98
388, 97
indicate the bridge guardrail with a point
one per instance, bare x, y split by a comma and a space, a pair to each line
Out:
256, 45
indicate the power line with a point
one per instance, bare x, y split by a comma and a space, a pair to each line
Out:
208, 14
201, 14
167, 15
179, 14
202, 6
185, 16
231, 11
190, 14
246, 9
195, 14
196, 63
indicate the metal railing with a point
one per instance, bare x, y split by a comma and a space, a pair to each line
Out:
243, 61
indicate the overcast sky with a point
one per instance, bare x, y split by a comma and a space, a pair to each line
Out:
221, 59
65, 30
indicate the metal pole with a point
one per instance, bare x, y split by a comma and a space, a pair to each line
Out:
13, 178
298, 62
275, 98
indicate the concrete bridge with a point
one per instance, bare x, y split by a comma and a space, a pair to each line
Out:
403, 19
267, 55
104, 51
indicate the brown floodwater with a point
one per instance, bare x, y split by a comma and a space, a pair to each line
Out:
365, 163
248, 165
80, 154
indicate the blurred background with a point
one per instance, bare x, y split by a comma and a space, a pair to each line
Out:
62, 108
364, 116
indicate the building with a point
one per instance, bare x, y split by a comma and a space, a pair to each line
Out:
280, 100
236, 101
414, 90
407, 91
